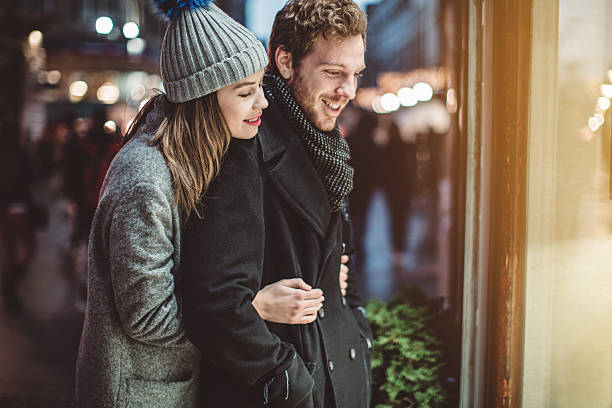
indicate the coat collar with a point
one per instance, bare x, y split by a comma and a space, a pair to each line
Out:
293, 172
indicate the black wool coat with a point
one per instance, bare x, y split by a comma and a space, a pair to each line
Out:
303, 239
243, 363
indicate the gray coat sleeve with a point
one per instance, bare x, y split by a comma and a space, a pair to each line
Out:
141, 262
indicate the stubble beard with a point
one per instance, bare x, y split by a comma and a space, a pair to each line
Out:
303, 97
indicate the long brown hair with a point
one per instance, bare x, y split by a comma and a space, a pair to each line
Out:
193, 137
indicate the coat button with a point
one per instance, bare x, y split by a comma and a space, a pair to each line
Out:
352, 353
369, 343
321, 313
330, 364
343, 301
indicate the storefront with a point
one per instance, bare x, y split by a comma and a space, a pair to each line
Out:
538, 244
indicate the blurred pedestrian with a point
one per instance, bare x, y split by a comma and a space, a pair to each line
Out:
73, 165
367, 161
75, 159
400, 157
133, 348
100, 146
97, 149
20, 215
49, 150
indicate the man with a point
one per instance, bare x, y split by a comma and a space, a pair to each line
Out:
316, 55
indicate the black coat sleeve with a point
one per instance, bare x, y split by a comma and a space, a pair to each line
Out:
222, 261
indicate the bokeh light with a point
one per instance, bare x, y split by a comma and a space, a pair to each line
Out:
131, 30
35, 38
407, 97
108, 93
104, 25
135, 46
423, 91
78, 88
390, 102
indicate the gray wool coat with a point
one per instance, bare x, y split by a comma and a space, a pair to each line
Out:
133, 350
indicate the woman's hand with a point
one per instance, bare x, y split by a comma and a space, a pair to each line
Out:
289, 301
344, 274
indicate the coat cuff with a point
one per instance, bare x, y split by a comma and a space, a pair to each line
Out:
364, 325
290, 388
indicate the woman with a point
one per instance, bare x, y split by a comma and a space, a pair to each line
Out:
134, 351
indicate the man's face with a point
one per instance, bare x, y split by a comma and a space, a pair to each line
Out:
326, 79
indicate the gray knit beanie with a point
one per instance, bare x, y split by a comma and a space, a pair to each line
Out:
204, 49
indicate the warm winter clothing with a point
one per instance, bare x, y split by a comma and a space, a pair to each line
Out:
304, 239
328, 151
134, 351
267, 217
244, 364
204, 50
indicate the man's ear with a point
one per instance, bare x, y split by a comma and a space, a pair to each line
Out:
284, 63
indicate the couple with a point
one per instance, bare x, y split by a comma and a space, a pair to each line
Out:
210, 200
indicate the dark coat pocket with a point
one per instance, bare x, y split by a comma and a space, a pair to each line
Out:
153, 394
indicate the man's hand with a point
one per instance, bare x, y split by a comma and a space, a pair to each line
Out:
344, 274
289, 301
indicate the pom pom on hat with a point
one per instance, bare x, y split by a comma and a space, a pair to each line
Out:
170, 9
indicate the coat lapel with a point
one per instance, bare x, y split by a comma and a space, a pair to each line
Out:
291, 170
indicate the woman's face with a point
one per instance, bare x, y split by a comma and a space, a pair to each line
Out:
241, 105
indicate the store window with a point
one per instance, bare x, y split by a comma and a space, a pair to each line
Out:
568, 324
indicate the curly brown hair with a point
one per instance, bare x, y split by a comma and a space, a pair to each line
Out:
300, 22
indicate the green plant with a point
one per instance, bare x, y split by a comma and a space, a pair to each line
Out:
409, 362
